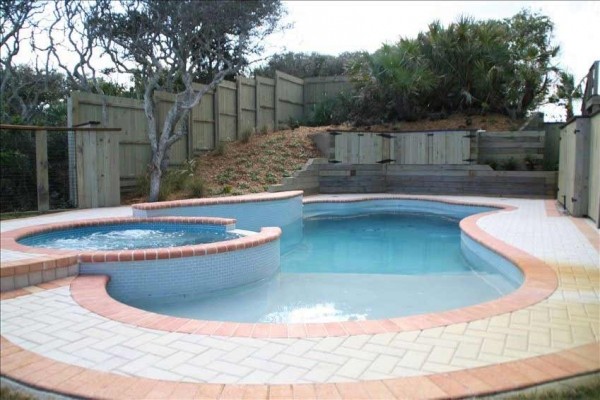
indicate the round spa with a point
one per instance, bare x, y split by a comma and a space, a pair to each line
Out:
362, 260
164, 257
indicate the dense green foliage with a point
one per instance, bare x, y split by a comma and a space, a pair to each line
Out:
502, 66
304, 65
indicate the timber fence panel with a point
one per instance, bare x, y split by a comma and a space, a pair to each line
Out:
202, 124
227, 111
290, 98
124, 113
266, 103
247, 104
318, 89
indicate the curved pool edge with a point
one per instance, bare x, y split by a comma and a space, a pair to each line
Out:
45, 374
540, 281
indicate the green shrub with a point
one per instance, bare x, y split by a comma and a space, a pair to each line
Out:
509, 165
246, 135
332, 111
220, 148
227, 189
270, 178
492, 163
195, 187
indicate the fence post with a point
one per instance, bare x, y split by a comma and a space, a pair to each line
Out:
257, 102
190, 139
216, 116
276, 105
238, 99
87, 181
41, 160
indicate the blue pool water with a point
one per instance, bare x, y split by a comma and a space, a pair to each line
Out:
354, 267
129, 236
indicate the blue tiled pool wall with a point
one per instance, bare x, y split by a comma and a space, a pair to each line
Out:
489, 261
39, 238
249, 216
187, 275
312, 210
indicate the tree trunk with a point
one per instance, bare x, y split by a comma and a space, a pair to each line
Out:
154, 185
156, 172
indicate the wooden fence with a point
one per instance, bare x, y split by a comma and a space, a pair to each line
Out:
224, 114
439, 148
318, 89
579, 167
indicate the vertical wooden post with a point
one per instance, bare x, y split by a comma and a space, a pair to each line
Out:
257, 102
276, 105
216, 116
41, 161
190, 131
238, 98
108, 172
87, 167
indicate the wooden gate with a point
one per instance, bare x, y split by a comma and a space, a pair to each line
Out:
427, 148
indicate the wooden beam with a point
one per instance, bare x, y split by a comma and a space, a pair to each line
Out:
41, 161
238, 103
56, 128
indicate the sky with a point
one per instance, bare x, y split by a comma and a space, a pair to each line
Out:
333, 27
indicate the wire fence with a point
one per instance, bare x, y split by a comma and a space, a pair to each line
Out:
18, 175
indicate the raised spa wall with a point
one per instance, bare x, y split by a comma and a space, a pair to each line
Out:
251, 212
151, 272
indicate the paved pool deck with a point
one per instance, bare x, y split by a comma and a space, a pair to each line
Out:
65, 336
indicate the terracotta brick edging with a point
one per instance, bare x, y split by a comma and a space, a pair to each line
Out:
540, 281
247, 198
10, 242
46, 374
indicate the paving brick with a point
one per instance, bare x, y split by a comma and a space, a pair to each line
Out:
353, 368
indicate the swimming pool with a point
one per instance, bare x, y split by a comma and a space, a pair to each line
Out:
357, 261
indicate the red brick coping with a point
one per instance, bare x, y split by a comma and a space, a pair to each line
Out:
247, 198
540, 281
9, 241
46, 374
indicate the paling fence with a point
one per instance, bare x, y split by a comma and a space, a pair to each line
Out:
233, 109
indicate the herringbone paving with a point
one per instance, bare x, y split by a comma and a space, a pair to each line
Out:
53, 325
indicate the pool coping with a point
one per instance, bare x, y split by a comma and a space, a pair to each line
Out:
540, 281
247, 198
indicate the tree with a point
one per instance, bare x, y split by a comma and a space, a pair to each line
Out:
503, 66
167, 44
304, 65
19, 101
566, 92
530, 69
